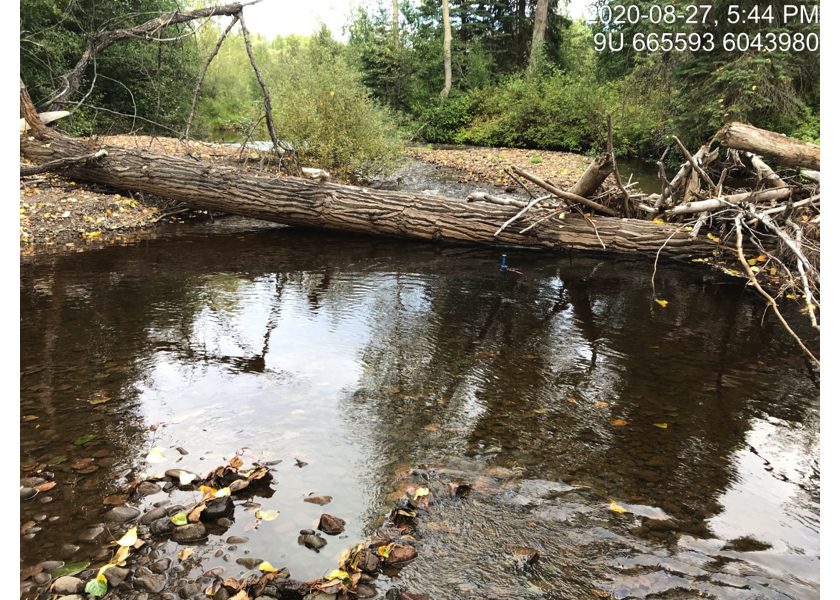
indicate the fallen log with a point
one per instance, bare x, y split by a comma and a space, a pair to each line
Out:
596, 174
785, 151
300, 202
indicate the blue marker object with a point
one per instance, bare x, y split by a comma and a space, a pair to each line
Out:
504, 258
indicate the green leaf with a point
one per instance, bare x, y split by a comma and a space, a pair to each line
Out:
97, 587
69, 569
661, 425
179, 519
84, 439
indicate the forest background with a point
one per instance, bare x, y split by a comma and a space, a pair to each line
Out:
353, 105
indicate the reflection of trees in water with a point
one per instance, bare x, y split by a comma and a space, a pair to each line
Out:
475, 353
487, 359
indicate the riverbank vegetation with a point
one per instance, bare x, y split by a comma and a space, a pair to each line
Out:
350, 106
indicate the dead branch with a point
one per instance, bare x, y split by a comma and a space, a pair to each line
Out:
103, 39
61, 163
531, 205
269, 119
485, 197
754, 282
203, 73
611, 150
564, 195
693, 163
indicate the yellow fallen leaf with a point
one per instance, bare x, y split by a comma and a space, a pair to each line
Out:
155, 456
267, 515
571, 399
185, 478
619, 422
129, 538
121, 555
662, 303
661, 425
266, 566
185, 553
601, 404
421, 492
432, 427
617, 508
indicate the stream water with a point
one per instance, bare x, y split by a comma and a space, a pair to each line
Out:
386, 364
368, 358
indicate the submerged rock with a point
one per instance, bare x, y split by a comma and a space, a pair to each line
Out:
68, 585
121, 514
319, 500
312, 541
331, 525
189, 533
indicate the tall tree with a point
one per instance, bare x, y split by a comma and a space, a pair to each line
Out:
395, 22
540, 19
447, 51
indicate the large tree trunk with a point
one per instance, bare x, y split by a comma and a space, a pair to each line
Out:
540, 19
300, 202
447, 51
786, 152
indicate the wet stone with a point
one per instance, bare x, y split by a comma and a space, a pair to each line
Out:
160, 566
319, 500
48, 566
224, 522
121, 514
68, 585
31, 482
331, 525
238, 539
189, 590
42, 578
153, 583
116, 575
45, 499
27, 493
365, 591
162, 526
313, 541
189, 533
147, 488
218, 509
153, 515
29, 536
91, 534
41, 517
249, 563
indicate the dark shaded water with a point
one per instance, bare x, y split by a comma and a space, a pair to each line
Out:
368, 358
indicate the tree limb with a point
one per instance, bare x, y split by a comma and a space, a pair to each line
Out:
104, 39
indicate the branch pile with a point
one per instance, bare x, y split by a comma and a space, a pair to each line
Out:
767, 223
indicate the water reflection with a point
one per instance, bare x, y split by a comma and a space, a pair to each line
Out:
367, 358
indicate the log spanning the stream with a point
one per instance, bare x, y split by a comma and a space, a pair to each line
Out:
305, 203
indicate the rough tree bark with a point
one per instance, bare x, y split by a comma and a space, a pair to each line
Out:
596, 174
447, 51
103, 39
300, 202
540, 19
786, 152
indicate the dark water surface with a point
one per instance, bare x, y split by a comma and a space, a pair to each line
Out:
367, 358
